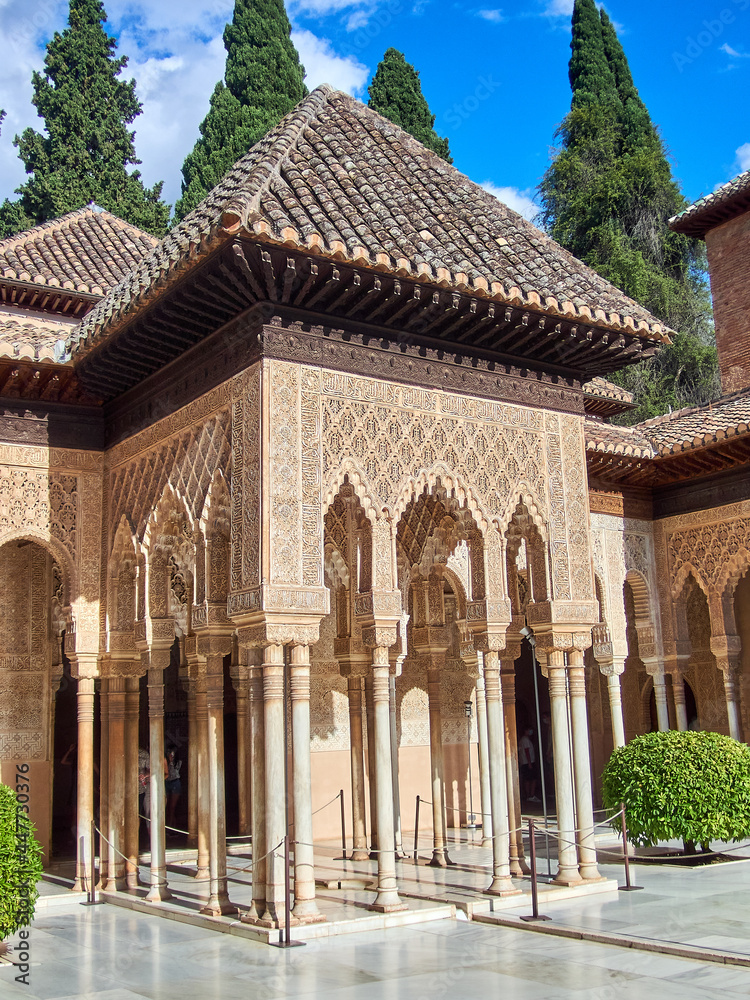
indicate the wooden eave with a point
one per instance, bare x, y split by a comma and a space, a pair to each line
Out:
23, 378
406, 311
719, 456
46, 298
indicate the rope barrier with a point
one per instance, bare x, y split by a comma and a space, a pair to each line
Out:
335, 798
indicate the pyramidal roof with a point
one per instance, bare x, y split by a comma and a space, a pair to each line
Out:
86, 251
726, 202
335, 178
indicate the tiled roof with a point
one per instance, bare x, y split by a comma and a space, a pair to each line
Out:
85, 251
722, 204
602, 388
36, 338
674, 433
335, 178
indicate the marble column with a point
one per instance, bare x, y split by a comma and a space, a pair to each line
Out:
103, 781
258, 766
518, 866
582, 768
116, 824
85, 790
440, 857
484, 762
678, 694
394, 766
567, 871
662, 706
203, 796
218, 901
243, 741
159, 890
372, 768
275, 753
614, 689
388, 899
356, 749
733, 710
132, 820
192, 762
305, 906
501, 884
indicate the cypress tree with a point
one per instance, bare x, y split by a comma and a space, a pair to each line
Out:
396, 93
263, 81
87, 148
608, 196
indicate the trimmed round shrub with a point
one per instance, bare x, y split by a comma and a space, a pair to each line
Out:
691, 786
20, 866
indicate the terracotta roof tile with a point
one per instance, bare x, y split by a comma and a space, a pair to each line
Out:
725, 202
86, 251
37, 338
336, 178
614, 440
602, 388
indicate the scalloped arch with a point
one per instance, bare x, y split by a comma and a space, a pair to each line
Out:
450, 481
523, 493
58, 552
358, 480
641, 595
216, 515
736, 566
678, 584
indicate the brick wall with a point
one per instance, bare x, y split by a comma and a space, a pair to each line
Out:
729, 263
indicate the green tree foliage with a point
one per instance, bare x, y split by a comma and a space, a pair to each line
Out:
84, 153
689, 786
608, 196
396, 93
20, 866
263, 81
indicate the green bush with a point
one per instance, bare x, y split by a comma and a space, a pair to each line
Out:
692, 786
20, 865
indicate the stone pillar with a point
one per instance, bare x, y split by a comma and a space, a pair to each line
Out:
733, 710
193, 740
132, 819
567, 872
243, 743
305, 907
258, 766
116, 824
440, 857
387, 900
203, 796
582, 768
159, 890
218, 900
501, 884
614, 689
678, 694
372, 768
103, 780
518, 864
85, 791
359, 852
727, 650
484, 762
275, 752
660, 694
394, 765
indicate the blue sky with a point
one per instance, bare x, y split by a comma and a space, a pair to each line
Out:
495, 76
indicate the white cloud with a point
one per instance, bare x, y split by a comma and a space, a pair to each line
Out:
491, 15
520, 201
743, 156
559, 8
733, 52
323, 65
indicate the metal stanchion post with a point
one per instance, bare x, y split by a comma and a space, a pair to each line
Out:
627, 887
535, 914
416, 831
343, 828
92, 900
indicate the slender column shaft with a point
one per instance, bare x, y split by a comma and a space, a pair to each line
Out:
394, 766
501, 884
132, 821
439, 845
192, 766
85, 792
116, 825
243, 799
218, 901
662, 708
159, 890
567, 872
484, 763
678, 693
387, 899
615, 710
258, 763
305, 907
275, 751
103, 780
202, 873
582, 768
733, 712
359, 827
371, 764
518, 864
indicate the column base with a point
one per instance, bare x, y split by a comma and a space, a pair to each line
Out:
202, 873
502, 887
388, 901
567, 879
275, 916
590, 873
487, 843
313, 916
440, 858
519, 868
360, 855
218, 906
158, 894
